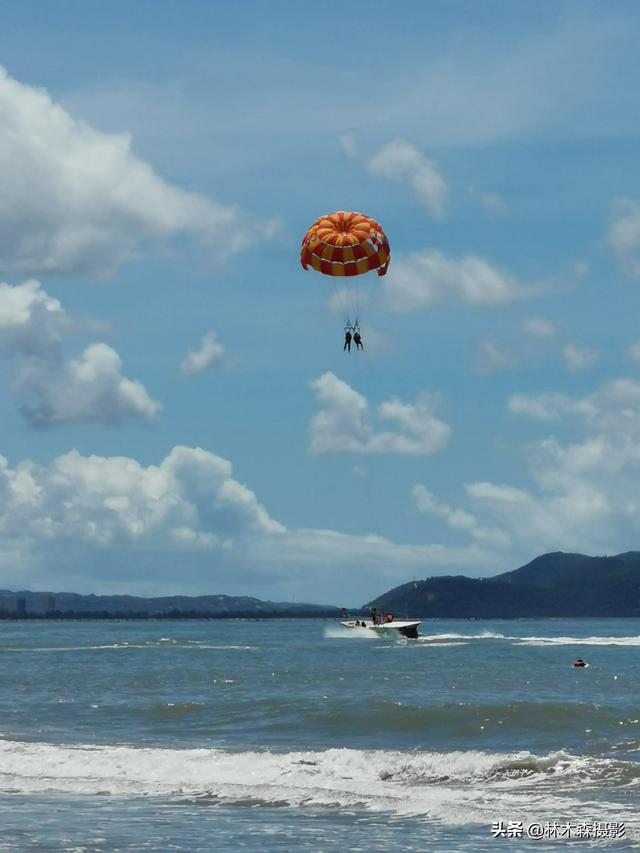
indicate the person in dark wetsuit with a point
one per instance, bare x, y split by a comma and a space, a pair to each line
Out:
347, 340
357, 340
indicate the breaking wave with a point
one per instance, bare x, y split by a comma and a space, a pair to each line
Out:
453, 787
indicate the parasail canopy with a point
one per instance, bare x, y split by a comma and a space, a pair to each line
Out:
345, 243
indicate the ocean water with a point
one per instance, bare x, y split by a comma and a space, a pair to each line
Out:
299, 734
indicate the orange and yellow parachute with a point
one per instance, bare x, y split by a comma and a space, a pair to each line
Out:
345, 244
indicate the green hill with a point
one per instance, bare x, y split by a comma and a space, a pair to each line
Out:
36, 605
555, 584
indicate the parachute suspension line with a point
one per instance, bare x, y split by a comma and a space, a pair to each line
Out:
353, 289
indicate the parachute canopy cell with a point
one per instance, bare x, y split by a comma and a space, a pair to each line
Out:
345, 243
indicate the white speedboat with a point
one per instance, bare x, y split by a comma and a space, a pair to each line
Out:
385, 629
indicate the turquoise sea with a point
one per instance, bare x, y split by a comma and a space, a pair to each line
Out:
299, 734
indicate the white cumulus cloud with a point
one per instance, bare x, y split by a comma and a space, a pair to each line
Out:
89, 389
573, 507
538, 327
612, 408
399, 160
578, 357
458, 519
31, 321
209, 353
491, 358
345, 423
545, 406
190, 498
51, 390
424, 279
493, 202
584, 490
77, 201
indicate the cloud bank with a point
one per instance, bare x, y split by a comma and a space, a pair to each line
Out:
76, 201
584, 494
91, 522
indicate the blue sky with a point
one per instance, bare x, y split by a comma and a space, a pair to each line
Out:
178, 413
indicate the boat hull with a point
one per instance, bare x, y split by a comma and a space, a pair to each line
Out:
386, 629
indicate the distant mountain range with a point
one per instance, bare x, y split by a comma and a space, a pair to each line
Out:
556, 584
70, 604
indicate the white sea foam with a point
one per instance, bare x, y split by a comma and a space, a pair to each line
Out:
454, 787
483, 635
123, 645
196, 645
338, 632
451, 638
578, 641
335, 632
535, 641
